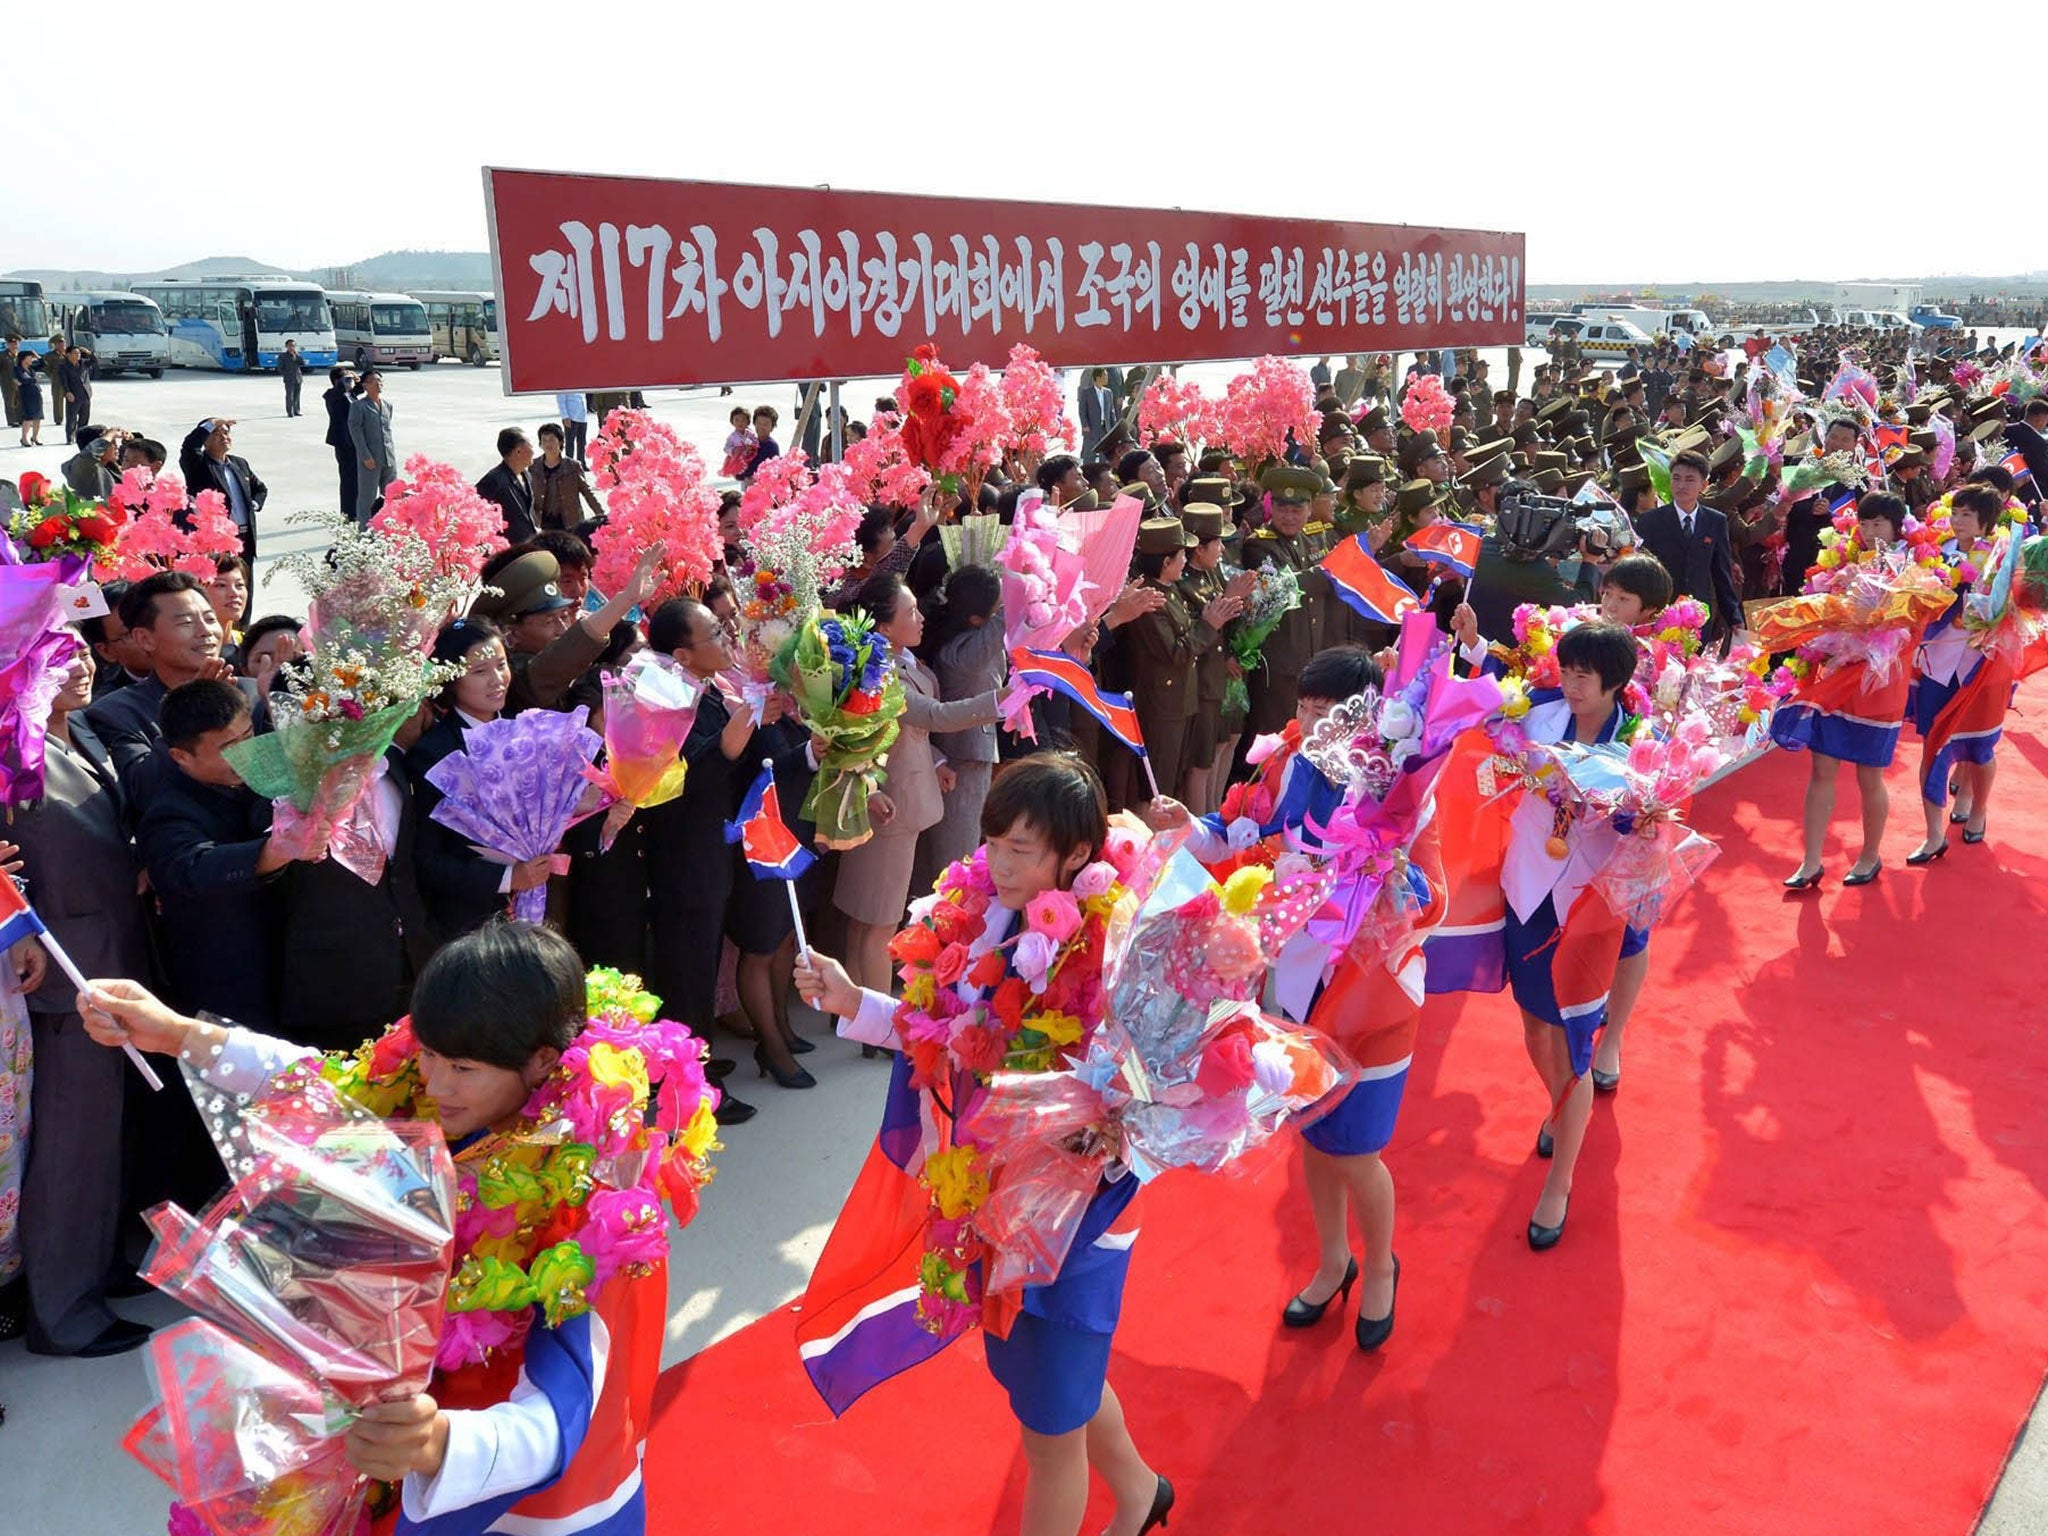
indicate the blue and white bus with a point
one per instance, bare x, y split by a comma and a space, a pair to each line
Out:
243, 323
24, 312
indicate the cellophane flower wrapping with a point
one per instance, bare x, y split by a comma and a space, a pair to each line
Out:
436, 504
319, 1281
37, 646
843, 678
799, 528
1643, 789
1050, 1140
657, 491
649, 707
1866, 608
514, 786
377, 599
1275, 594
1045, 593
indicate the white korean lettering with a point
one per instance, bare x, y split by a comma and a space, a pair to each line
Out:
1091, 285
614, 286
699, 288
566, 286
649, 247
884, 275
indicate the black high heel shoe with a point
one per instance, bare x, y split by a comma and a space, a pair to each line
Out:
1541, 1238
1306, 1314
1802, 882
1162, 1506
1868, 875
1546, 1144
1372, 1332
1973, 838
797, 1079
1927, 856
799, 1046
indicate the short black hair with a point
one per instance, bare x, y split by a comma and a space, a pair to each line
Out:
270, 624
569, 549
500, 995
1695, 461
669, 630
1339, 672
1602, 648
138, 604
508, 439
1056, 793
1131, 465
1979, 498
336, 374
881, 595
1056, 469
192, 710
1640, 576
874, 522
1153, 566
1997, 476
458, 637
549, 429
1885, 505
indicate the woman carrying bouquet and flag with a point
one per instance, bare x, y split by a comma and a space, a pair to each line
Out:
545, 1084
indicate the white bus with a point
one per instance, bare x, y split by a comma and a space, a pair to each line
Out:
242, 324
464, 325
124, 332
380, 328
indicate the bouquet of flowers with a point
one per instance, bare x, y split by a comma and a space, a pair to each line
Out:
649, 707
377, 601
1045, 593
37, 646
1266, 411
55, 523
436, 504
880, 469
1036, 404
657, 493
1276, 594
1171, 410
320, 1280
839, 670
799, 529
516, 787
1863, 604
1426, 406
955, 428
147, 511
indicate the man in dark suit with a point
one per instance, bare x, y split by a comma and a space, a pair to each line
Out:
74, 383
1691, 540
206, 464
1098, 409
352, 947
339, 396
510, 486
2029, 437
206, 841
80, 872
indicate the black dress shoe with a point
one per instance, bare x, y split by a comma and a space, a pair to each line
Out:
1306, 1314
126, 1285
1375, 1331
1546, 1144
1162, 1506
798, 1078
1802, 882
799, 1046
1541, 1238
1606, 1082
718, 1068
1865, 877
1928, 855
732, 1111
118, 1338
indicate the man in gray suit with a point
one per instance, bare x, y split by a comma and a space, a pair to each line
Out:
369, 431
1098, 408
80, 872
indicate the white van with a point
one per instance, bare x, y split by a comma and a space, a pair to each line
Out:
124, 332
1611, 338
381, 328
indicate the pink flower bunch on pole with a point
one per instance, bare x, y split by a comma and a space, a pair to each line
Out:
1171, 410
1261, 408
657, 491
880, 466
1036, 403
156, 533
1427, 406
984, 431
436, 504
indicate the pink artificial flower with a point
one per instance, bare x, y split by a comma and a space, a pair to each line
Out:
1094, 880
468, 1338
622, 1227
1056, 914
1123, 848
1036, 403
436, 503
1033, 958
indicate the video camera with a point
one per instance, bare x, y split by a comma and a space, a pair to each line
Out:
1541, 551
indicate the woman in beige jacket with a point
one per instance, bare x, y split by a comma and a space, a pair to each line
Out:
874, 879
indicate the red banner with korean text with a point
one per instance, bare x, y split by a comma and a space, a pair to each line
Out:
609, 282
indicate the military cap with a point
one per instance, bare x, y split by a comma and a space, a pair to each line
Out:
1374, 420
1214, 489
1491, 471
1287, 482
1366, 469
530, 584
1414, 496
1163, 536
1203, 521
1726, 452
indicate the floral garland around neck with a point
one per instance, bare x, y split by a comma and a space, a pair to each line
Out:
549, 1211
966, 1009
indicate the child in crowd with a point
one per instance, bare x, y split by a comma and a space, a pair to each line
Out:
740, 444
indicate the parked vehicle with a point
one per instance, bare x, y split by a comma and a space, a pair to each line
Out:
1930, 318
243, 323
1536, 326
463, 324
1611, 338
24, 312
381, 328
124, 331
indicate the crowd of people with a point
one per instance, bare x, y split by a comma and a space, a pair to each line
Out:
154, 862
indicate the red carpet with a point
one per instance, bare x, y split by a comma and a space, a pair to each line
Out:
1804, 1289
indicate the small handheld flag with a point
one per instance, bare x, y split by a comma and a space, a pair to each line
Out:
1452, 545
772, 851
1057, 672
2015, 464
1366, 585
18, 921
1846, 499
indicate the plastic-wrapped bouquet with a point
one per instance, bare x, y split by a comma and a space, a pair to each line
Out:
1275, 594
649, 707
1045, 593
1863, 605
839, 670
36, 648
54, 522
377, 600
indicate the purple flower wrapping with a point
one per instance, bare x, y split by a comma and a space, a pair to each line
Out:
38, 645
513, 788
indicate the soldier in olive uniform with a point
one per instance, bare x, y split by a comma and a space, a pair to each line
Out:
1364, 508
1163, 647
1286, 541
1212, 735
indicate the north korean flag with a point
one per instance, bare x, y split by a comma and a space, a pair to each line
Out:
1366, 584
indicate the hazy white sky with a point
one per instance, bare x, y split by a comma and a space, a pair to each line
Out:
1662, 142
